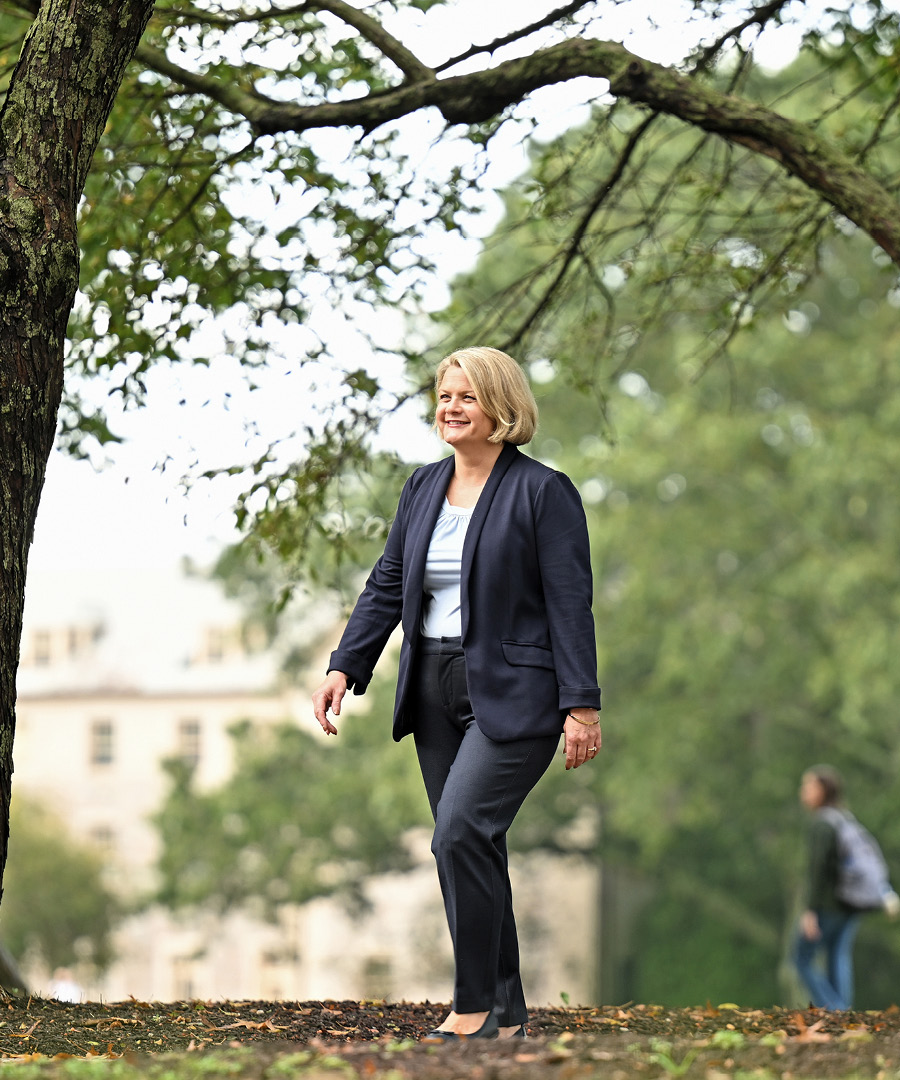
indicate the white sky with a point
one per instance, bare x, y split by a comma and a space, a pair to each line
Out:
135, 512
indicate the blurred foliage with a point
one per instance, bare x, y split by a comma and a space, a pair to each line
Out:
300, 817
743, 526
291, 549
743, 533
55, 900
211, 230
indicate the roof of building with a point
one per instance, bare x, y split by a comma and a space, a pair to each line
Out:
152, 631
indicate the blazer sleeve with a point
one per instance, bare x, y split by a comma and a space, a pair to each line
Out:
564, 559
378, 609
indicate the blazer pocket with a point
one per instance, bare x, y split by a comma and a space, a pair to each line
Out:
520, 655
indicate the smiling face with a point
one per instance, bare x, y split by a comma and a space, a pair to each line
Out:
459, 417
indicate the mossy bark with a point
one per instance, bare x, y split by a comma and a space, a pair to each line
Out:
59, 98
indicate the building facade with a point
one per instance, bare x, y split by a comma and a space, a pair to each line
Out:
121, 671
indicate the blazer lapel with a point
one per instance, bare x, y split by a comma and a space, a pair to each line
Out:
424, 515
508, 455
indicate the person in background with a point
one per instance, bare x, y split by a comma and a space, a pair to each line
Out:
827, 925
487, 567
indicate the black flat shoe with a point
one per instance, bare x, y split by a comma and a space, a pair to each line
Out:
490, 1029
519, 1033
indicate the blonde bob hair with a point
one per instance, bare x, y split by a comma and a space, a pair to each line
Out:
502, 389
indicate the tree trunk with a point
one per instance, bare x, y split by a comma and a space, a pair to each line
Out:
59, 98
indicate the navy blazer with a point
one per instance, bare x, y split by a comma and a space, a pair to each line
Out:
525, 598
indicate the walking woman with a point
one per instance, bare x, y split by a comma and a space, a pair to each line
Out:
487, 567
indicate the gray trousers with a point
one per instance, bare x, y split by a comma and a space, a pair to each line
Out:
475, 787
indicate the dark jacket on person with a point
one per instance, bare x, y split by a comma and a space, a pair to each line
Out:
525, 598
822, 866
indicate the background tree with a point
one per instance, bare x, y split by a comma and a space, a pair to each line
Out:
299, 818
247, 229
742, 529
214, 193
57, 907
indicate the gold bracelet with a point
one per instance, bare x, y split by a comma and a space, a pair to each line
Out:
587, 723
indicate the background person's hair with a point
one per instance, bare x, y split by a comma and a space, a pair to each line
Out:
832, 783
502, 389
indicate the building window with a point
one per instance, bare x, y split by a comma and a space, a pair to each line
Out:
215, 645
189, 741
104, 840
271, 975
377, 980
182, 977
42, 650
102, 742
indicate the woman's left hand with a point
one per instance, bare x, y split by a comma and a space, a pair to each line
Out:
809, 926
583, 739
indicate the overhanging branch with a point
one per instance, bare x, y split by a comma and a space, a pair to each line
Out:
549, 19
760, 17
253, 107
373, 31
480, 96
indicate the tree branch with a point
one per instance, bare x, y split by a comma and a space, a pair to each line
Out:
479, 96
198, 15
573, 243
373, 31
759, 17
802, 152
254, 107
515, 35
367, 27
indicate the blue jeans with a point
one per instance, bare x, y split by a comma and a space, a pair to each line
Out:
830, 986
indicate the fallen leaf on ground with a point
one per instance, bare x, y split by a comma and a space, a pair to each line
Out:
252, 1025
23, 1034
811, 1033
111, 1020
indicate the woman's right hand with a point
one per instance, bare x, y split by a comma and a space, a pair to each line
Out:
329, 695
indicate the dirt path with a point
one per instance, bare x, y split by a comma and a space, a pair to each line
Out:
375, 1037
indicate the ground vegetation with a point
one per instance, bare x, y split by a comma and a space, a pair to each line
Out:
272, 1039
